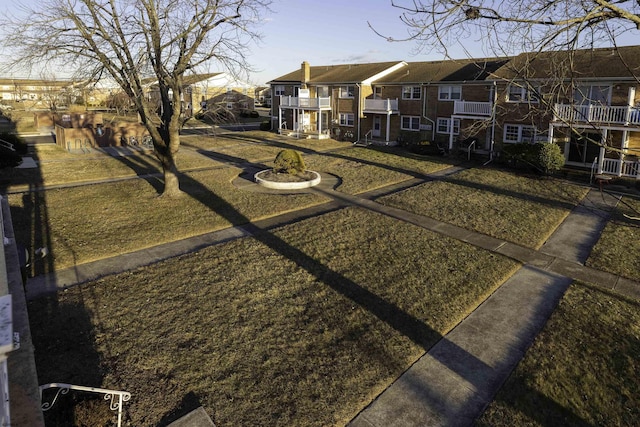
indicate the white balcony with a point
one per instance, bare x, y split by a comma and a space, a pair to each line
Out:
306, 103
470, 108
381, 106
605, 114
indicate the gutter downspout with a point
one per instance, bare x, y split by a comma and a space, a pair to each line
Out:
360, 100
424, 111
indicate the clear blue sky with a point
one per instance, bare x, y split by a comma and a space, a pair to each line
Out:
330, 32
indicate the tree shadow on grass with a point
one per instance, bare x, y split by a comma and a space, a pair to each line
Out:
413, 328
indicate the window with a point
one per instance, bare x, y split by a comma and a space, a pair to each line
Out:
322, 91
517, 93
450, 93
347, 91
520, 133
346, 119
594, 95
411, 92
444, 126
410, 123
279, 90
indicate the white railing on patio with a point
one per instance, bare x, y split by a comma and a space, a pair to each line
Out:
624, 168
473, 108
385, 105
597, 114
297, 102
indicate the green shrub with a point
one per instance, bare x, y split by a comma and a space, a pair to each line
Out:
265, 125
550, 158
543, 156
289, 161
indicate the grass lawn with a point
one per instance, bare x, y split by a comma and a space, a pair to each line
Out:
128, 215
619, 245
581, 370
517, 208
286, 329
364, 169
92, 222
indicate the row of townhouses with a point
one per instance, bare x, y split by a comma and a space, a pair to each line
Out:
585, 101
201, 92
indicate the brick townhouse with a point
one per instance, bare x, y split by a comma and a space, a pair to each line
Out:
585, 101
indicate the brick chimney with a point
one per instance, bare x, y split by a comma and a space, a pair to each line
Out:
306, 73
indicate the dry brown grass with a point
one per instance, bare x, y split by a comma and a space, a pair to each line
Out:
619, 245
286, 329
581, 370
92, 222
516, 208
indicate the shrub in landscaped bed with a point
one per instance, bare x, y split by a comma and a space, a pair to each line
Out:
550, 158
543, 157
289, 161
265, 125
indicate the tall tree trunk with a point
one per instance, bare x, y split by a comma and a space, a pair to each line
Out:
167, 156
171, 181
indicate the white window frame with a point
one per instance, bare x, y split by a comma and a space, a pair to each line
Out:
347, 119
411, 92
443, 126
279, 90
521, 132
414, 123
347, 91
519, 94
449, 93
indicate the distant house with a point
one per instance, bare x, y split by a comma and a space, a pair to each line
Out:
43, 93
213, 92
263, 96
481, 105
221, 91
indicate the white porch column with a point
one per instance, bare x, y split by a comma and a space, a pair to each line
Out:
388, 125
603, 142
279, 119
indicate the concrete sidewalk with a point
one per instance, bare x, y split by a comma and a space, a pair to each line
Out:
452, 384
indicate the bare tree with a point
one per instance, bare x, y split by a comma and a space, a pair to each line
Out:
512, 26
131, 41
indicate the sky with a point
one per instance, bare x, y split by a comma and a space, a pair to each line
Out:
330, 32
327, 32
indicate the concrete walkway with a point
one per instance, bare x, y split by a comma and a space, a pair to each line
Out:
452, 383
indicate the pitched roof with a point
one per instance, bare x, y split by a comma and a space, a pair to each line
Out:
446, 71
621, 62
343, 73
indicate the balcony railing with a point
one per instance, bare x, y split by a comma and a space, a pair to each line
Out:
320, 103
626, 168
482, 109
625, 115
380, 105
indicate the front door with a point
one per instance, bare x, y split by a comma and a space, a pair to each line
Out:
584, 148
377, 124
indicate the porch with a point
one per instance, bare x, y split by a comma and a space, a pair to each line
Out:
475, 109
603, 114
616, 167
320, 103
381, 106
